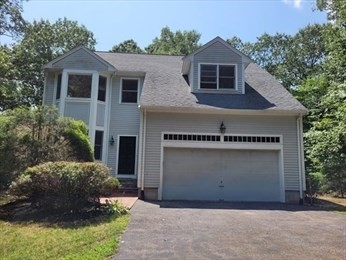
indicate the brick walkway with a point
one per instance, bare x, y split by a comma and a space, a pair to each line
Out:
126, 200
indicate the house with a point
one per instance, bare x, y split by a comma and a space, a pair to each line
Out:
208, 126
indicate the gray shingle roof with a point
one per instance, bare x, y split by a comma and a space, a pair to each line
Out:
165, 86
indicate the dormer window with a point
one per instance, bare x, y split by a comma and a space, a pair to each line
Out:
218, 76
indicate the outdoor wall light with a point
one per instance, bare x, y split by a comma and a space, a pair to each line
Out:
222, 128
111, 141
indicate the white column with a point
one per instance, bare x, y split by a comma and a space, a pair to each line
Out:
63, 93
93, 106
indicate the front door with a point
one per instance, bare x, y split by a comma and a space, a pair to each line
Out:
127, 155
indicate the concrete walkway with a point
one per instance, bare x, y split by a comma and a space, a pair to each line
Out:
197, 230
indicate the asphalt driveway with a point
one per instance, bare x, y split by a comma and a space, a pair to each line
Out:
196, 230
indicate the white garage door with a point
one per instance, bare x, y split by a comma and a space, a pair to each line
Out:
215, 174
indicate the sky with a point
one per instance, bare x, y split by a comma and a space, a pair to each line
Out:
114, 21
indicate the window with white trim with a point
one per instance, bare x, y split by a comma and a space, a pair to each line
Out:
58, 86
129, 90
217, 76
102, 89
79, 85
98, 145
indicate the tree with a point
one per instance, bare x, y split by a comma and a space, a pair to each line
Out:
291, 59
175, 43
9, 94
42, 42
12, 23
32, 136
237, 43
326, 140
128, 46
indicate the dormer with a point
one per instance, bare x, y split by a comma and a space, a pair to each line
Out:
216, 67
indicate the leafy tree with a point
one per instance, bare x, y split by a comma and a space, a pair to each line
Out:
291, 59
326, 140
42, 42
244, 47
128, 46
32, 136
12, 23
9, 94
175, 43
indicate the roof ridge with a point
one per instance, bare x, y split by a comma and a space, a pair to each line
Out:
144, 54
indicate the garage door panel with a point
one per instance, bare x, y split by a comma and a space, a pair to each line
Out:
215, 174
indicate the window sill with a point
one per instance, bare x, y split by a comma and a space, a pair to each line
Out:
128, 104
217, 91
75, 99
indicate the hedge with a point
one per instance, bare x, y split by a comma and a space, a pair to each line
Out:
65, 185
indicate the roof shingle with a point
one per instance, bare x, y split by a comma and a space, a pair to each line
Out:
165, 86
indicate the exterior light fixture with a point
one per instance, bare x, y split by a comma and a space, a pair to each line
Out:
222, 128
111, 141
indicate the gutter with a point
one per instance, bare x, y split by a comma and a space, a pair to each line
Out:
199, 110
142, 134
301, 169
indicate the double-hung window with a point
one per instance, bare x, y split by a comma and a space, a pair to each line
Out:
217, 76
129, 90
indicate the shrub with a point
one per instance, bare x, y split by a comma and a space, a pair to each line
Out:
314, 186
65, 185
29, 137
115, 208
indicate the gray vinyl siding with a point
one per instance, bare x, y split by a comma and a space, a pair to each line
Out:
124, 120
196, 123
49, 89
78, 110
80, 60
100, 117
217, 53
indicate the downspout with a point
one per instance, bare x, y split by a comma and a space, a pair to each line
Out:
140, 149
299, 161
302, 151
143, 151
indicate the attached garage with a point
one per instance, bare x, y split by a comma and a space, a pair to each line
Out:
221, 174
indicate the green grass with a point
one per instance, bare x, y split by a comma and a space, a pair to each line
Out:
93, 238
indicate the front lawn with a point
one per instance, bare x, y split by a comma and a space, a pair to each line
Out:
29, 235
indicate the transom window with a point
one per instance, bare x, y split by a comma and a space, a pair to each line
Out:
79, 86
129, 90
217, 76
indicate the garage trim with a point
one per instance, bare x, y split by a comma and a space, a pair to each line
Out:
223, 145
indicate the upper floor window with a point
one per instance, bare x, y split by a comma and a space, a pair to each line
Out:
129, 90
217, 76
79, 86
102, 88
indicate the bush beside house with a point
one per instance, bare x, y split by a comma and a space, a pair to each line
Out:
29, 137
65, 185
